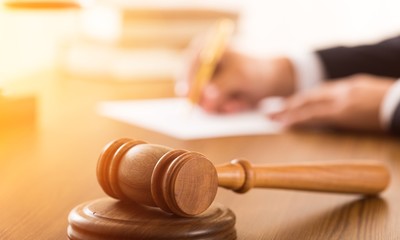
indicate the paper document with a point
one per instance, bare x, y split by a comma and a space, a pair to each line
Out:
176, 117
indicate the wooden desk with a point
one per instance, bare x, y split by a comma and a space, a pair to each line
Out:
48, 169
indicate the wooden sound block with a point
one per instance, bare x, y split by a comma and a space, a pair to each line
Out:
107, 218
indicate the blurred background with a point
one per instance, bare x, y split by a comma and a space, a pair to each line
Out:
126, 41
60, 58
130, 39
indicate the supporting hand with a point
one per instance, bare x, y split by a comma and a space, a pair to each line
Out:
349, 103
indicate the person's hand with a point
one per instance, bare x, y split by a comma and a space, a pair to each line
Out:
240, 81
349, 103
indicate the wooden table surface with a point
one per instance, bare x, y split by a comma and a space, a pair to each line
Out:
48, 168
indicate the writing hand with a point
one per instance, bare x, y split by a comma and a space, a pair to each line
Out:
240, 81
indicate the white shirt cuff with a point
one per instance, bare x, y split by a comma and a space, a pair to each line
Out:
308, 68
389, 104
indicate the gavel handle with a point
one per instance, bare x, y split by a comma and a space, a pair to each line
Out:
361, 177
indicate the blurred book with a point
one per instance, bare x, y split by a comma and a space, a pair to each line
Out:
105, 62
44, 4
154, 23
130, 40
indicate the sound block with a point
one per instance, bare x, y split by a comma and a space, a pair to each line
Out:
107, 218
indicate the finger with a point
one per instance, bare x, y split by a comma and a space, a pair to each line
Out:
311, 97
303, 100
225, 95
234, 105
307, 109
315, 115
217, 98
211, 98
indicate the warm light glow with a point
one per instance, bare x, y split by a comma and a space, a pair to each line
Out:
29, 40
102, 22
46, 4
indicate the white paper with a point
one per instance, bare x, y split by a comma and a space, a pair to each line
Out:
176, 117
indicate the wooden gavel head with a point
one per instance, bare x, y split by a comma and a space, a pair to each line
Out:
177, 181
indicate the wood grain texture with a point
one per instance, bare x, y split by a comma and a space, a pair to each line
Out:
362, 177
106, 218
185, 183
47, 171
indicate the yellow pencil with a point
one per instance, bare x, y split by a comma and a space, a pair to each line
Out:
209, 57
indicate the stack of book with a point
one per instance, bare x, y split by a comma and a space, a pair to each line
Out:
129, 40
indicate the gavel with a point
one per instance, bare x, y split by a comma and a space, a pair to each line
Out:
185, 183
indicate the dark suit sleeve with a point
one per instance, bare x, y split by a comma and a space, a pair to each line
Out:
395, 121
382, 59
